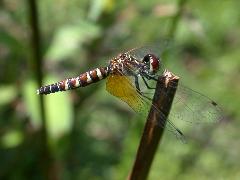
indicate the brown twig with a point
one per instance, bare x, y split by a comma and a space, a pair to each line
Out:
163, 97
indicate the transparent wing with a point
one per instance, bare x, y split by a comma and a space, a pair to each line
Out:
194, 107
158, 49
122, 87
189, 105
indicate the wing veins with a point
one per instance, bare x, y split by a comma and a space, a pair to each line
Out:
169, 124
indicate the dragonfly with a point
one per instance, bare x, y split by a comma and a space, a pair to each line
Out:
128, 73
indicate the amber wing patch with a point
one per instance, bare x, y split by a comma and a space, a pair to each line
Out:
122, 87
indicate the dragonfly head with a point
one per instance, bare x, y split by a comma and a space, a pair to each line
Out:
152, 63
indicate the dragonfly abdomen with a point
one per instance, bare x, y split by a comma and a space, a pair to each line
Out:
82, 80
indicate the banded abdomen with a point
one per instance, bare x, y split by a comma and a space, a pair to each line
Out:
82, 80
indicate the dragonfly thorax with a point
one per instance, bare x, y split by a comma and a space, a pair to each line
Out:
124, 64
127, 64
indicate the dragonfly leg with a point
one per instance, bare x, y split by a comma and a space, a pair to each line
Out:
149, 77
138, 89
137, 83
145, 82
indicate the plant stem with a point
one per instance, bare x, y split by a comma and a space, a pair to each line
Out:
37, 64
175, 21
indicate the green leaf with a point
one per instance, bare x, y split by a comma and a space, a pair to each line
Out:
69, 38
12, 139
31, 100
58, 109
7, 94
59, 112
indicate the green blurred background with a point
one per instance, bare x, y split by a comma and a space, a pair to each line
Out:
89, 134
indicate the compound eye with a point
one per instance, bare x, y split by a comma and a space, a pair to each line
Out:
152, 61
146, 58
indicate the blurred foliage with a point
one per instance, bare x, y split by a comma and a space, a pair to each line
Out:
92, 135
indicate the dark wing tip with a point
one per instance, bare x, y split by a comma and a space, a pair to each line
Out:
214, 103
181, 136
